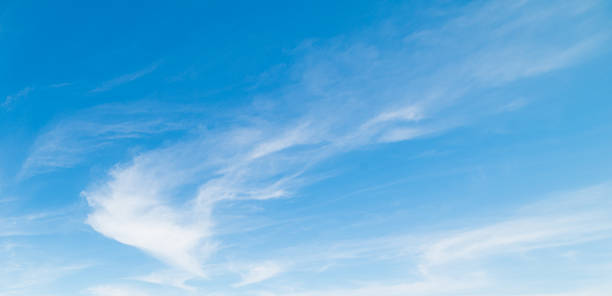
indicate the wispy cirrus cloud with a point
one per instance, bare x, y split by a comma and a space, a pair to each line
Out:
26, 268
454, 260
61, 84
255, 273
38, 223
572, 218
599, 290
115, 290
69, 141
11, 99
20, 278
129, 207
431, 286
345, 94
169, 277
123, 79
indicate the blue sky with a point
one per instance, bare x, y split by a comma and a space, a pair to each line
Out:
306, 148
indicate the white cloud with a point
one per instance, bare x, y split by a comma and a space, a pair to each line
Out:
26, 263
22, 272
447, 262
124, 79
132, 209
344, 97
69, 141
408, 113
514, 105
115, 290
169, 277
138, 206
36, 223
518, 235
403, 134
599, 290
61, 84
583, 217
256, 273
430, 286
10, 99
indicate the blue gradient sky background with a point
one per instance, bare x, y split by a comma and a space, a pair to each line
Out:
306, 148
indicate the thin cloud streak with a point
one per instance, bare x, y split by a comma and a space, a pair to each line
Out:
11, 99
255, 273
123, 79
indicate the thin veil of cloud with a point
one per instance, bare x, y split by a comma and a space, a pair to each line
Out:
444, 261
67, 142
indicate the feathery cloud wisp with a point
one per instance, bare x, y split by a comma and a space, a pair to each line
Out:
124, 79
444, 261
10, 99
256, 273
69, 141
